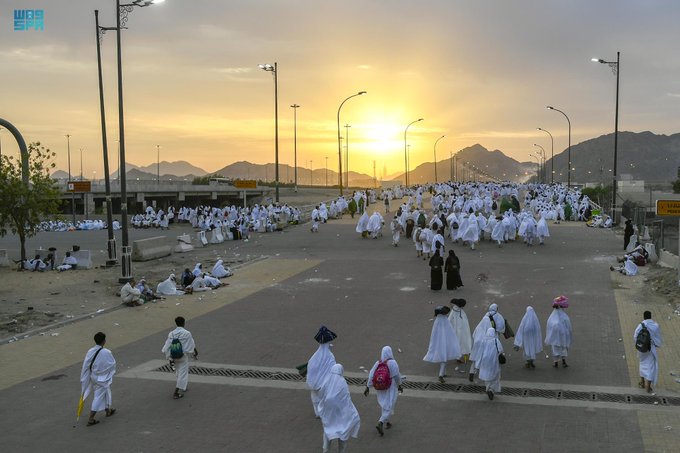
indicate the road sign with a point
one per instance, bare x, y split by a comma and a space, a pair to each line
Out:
79, 186
668, 207
245, 184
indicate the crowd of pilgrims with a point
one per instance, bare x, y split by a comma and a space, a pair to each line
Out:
451, 339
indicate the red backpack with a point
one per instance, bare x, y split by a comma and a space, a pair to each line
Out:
381, 378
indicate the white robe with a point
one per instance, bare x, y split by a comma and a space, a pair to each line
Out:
339, 417
387, 398
649, 361
528, 335
489, 367
318, 367
219, 271
99, 379
444, 344
558, 332
168, 287
461, 326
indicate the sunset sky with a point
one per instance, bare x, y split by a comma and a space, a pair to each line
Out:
477, 71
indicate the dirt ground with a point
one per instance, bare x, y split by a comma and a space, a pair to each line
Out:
30, 301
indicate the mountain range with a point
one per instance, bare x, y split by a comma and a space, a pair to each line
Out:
652, 157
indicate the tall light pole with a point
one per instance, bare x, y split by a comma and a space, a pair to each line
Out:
543, 160
295, 107
158, 164
111, 243
435, 158
326, 170
569, 149
73, 200
81, 164
311, 173
122, 12
552, 155
347, 126
340, 138
615, 66
406, 151
274, 71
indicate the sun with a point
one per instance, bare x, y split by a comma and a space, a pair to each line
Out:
380, 140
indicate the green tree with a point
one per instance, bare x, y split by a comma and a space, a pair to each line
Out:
676, 186
23, 208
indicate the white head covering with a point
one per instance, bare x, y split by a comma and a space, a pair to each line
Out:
197, 270
386, 353
529, 334
444, 345
339, 416
319, 366
558, 329
489, 368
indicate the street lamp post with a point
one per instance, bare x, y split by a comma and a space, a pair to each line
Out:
435, 158
542, 154
615, 66
326, 170
275, 72
406, 151
347, 126
340, 138
111, 243
73, 200
552, 154
158, 164
569, 148
295, 107
122, 12
311, 173
451, 165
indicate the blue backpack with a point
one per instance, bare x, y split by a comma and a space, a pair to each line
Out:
176, 351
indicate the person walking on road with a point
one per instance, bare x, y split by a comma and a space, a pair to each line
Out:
444, 345
96, 377
436, 274
339, 417
558, 331
177, 347
320, 364
489, 364
529, 337
385, 378
452, 268
646, 345
461, 326
628, 232
491, 319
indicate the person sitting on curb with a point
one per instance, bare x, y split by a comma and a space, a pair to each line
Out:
69, 263
130, 295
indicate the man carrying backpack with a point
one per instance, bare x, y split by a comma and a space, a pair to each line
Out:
179, 344
386, 380
647, 338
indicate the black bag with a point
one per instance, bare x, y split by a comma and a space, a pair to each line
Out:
494, 206
508, 333
501, 356
643, 341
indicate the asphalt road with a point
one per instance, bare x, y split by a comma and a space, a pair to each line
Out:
370, 294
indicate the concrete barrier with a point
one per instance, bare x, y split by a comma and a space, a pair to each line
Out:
84, 259
4, 261
183, 244
150, 249
667, 259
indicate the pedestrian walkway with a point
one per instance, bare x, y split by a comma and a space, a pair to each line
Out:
660, 430
62, 347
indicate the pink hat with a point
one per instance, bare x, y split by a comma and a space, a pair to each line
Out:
561, 302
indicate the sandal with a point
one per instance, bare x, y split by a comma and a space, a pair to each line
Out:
641, 385
388, 425
110, 412
177, 396
92, 422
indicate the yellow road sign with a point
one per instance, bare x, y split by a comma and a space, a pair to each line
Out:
668, 207
245, 184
